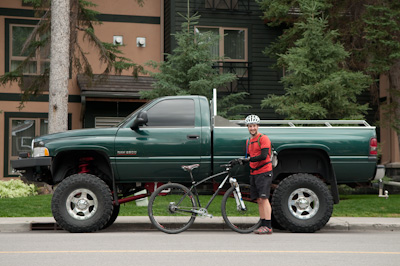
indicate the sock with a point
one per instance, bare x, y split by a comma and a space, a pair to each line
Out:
263, 222
268, 223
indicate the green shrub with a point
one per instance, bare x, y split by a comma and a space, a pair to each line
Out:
16, 188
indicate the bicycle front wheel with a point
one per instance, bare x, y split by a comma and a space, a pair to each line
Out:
171, 208
239, 219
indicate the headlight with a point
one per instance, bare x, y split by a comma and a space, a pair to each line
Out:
40, 152
38, 149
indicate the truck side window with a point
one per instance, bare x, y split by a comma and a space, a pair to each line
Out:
172, 113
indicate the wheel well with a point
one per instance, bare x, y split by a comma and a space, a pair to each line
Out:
72, 162
311, 161
303, 160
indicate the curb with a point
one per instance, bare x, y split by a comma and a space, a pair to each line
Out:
142, 223
363, 224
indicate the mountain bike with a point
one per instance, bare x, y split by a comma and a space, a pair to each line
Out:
173, 207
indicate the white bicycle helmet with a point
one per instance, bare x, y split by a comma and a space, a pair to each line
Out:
252, 119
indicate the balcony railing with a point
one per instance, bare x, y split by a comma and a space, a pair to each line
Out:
241, 70
222, 5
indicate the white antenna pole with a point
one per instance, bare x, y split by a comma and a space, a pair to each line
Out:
215, 101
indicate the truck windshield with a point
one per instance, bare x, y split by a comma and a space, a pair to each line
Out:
133, 114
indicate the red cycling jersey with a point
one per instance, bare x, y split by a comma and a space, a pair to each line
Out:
254, 149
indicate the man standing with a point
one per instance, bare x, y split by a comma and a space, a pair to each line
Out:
258, 148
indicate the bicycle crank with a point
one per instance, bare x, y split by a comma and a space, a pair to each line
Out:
203, 213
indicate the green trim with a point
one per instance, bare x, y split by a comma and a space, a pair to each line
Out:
15, 12
128, 19
7, 23
7, 116
16, 97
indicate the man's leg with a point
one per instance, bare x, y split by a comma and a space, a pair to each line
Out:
264, 208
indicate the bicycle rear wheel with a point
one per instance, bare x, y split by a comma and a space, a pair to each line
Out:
241, 221
170, 208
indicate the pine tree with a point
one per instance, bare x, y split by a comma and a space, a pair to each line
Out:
190, 69
317, 85
59, 72
382, 35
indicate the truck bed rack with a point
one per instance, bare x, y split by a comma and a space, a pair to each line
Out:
302, 123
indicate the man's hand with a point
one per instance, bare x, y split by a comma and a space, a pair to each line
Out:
243, 161
239, 161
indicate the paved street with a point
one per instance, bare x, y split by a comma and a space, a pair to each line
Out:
201, 247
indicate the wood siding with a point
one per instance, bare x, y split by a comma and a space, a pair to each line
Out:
263, 79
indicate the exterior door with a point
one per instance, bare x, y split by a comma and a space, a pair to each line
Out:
155, 152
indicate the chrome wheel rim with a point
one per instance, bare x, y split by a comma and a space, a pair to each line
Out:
303, 203
82, 204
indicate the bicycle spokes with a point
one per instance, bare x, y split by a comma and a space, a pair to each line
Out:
171, 208
242, 219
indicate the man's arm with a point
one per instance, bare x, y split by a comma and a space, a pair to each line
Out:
262, 156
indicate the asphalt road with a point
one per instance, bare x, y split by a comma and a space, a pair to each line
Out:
61, 248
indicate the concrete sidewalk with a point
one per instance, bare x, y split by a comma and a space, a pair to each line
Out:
140, 223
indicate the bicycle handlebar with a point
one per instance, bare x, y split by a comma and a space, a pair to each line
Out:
238, 161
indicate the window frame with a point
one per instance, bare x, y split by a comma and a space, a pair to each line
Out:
221, 52
9, 24
37, 125
239, 67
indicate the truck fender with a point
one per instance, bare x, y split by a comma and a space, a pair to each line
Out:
68, 162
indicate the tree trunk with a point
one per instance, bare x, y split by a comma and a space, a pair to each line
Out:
59, 66
394, 78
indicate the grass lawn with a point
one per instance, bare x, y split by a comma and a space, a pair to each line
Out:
367, 206
33, 206
350, 205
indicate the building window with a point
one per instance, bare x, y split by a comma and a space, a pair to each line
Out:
20, 129
104, 122
232, 46
21, 133
40, 58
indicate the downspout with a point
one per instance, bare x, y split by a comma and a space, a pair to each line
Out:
83, 107
162, 29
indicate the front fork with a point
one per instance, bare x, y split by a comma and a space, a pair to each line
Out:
238, 196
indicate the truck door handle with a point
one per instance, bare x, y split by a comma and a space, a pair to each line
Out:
193, 136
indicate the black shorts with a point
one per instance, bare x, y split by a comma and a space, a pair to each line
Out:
260, 185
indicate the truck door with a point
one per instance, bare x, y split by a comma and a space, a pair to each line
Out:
157, 150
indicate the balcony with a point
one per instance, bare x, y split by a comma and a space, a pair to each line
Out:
222, 6
241, 70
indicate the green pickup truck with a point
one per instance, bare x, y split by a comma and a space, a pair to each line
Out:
95, 170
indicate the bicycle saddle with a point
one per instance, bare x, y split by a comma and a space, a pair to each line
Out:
190, 167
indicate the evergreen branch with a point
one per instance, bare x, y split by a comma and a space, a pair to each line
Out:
43, 26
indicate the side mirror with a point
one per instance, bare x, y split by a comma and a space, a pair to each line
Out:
140, 120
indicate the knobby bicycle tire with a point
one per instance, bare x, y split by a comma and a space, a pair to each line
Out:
241, 221
170, 208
